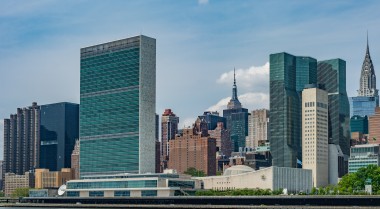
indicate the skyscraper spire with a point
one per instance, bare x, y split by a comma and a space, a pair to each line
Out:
234, 102
367, 52
234, 78
367, 76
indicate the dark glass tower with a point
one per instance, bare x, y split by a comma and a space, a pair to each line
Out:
59, 130
212, 119
118, 102
332, 74
237, 119
359, 124
288, 76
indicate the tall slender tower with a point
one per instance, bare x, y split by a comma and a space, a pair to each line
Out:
237, 119
314, 134
169, 128
234, 103
118, 102
288, 76
368, 77
368, 96
332, 74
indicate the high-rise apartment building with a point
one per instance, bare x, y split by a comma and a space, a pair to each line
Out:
237, 119
193, 150
288, 75
169, 128
332, 75
75, 159
258, 123
59, 130
117, 113
368, 96
374, 127
223, 140
22, 140
314, 134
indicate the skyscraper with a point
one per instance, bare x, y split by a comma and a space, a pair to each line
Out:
332, 74
212, 119
368, 77
288, 75
237, 119
368, 96
59, 130
22, 140
169, 128
258, 128
117, 114
374, 127
314, 134
75, 159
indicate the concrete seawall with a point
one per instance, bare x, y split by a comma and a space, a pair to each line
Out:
225, 202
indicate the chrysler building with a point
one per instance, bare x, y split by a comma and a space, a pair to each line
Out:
368, 77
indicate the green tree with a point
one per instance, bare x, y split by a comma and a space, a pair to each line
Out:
20, 192
194, 172
2, 194
314, 191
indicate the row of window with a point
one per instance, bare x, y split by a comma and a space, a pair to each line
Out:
112, 184
144, 193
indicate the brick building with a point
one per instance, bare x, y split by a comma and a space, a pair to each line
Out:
193, 149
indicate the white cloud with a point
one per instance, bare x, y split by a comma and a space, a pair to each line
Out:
253, 83
250, 100
202, 1
187, 122
253, 79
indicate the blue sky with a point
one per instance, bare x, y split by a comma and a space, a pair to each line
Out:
198, 45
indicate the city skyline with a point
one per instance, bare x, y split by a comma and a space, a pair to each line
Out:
41, 40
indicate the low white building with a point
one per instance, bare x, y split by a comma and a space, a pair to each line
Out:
273, 178
131, 185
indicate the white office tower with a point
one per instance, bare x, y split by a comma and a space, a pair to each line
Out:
315, 133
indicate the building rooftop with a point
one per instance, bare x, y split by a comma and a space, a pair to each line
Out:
237, 169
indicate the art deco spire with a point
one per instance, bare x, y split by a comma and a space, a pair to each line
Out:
367, 77
234, 102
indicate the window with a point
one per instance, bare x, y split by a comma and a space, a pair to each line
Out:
96, 194
122, 193
149, 193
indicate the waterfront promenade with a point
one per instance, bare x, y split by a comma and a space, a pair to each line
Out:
297, 201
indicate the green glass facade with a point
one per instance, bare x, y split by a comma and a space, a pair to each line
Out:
359, 124
237, 123
117, 97
332, 75
288, 76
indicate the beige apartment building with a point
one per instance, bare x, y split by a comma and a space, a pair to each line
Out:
13, 181
315, 134
52, 179
75, 159
258, 122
